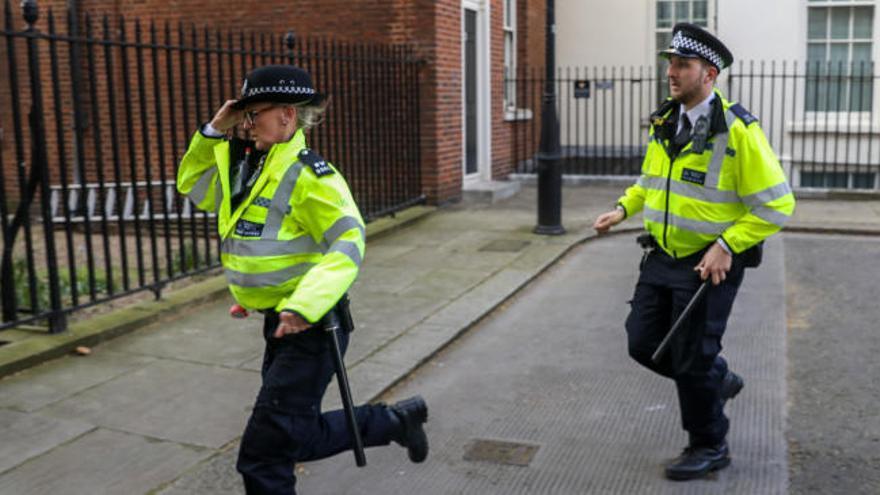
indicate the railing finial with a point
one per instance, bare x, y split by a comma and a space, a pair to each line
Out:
30, 12
289, 39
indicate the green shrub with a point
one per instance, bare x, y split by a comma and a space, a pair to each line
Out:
42, 289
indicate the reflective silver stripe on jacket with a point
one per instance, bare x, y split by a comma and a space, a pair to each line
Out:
719, 150
218, 196
689, 190
267, 279
200, 190
270, 247
770, 215
699, 226
767, 195
281, 201
341, 226
347, 248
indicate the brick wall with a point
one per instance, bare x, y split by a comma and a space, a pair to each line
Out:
433, 28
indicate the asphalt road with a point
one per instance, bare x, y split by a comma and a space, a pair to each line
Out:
833, 309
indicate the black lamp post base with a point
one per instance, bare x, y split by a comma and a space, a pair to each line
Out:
549, 229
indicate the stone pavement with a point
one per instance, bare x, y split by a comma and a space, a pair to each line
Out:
161, 409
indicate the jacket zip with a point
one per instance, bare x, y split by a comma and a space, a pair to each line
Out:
672, 158
666, 211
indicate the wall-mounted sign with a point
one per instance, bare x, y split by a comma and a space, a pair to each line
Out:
582, 88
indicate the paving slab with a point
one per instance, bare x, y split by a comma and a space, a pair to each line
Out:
62, 378
225, 342
375, 328
389, 279
452, 282
469, 308
172, 400
216, 476
416, 345
254, 363
23, 436
105, 462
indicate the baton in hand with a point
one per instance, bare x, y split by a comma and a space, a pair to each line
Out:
661, 349
331, 326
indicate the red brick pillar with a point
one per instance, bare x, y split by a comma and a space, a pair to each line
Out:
435, 28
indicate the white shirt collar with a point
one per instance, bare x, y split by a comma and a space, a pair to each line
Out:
700, 109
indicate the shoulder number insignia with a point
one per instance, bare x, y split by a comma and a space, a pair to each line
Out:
743, 114
317, 163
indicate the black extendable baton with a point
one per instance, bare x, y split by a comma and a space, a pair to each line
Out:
661, 349
331, 326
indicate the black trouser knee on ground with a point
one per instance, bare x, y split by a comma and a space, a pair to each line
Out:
287, 425
664, 288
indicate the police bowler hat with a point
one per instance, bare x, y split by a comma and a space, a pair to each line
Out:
278, 84
692, 41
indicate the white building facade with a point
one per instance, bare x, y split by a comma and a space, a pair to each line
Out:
803, 67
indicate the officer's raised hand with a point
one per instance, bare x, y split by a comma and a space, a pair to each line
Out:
715, 263
289, 323
605, 221
227, 117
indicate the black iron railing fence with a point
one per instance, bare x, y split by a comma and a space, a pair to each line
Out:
820, 117
96, 118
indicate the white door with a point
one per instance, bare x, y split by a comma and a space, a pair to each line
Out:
476, 137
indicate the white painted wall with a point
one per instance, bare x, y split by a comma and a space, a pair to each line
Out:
763, 30
603, 32
621, 33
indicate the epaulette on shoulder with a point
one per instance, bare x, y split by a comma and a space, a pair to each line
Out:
743, 114
317, 163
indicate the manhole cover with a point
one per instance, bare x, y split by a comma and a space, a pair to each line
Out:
505, 246
500, 452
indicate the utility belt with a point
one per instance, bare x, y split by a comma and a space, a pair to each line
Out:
750, 258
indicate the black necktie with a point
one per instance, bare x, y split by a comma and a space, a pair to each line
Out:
684, 134
240, 174
246, 177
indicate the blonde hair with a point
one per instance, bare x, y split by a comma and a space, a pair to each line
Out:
309, 115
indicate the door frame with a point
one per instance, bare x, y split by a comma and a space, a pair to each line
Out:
484, 92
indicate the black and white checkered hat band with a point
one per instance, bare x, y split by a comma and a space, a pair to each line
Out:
294, 90
680, 41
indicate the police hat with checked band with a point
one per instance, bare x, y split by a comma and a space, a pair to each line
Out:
278, 84
691, 41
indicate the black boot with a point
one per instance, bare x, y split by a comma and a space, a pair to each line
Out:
731, 385
409, 416
696, 462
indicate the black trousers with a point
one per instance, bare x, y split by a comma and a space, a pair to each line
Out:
287, 425
664, 288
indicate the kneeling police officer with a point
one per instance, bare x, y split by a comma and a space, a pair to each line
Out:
712, 190
292, 241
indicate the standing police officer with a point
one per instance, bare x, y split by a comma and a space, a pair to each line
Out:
712, 190
292, 244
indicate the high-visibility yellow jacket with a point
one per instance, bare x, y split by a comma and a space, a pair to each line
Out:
734, 188
296, 242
